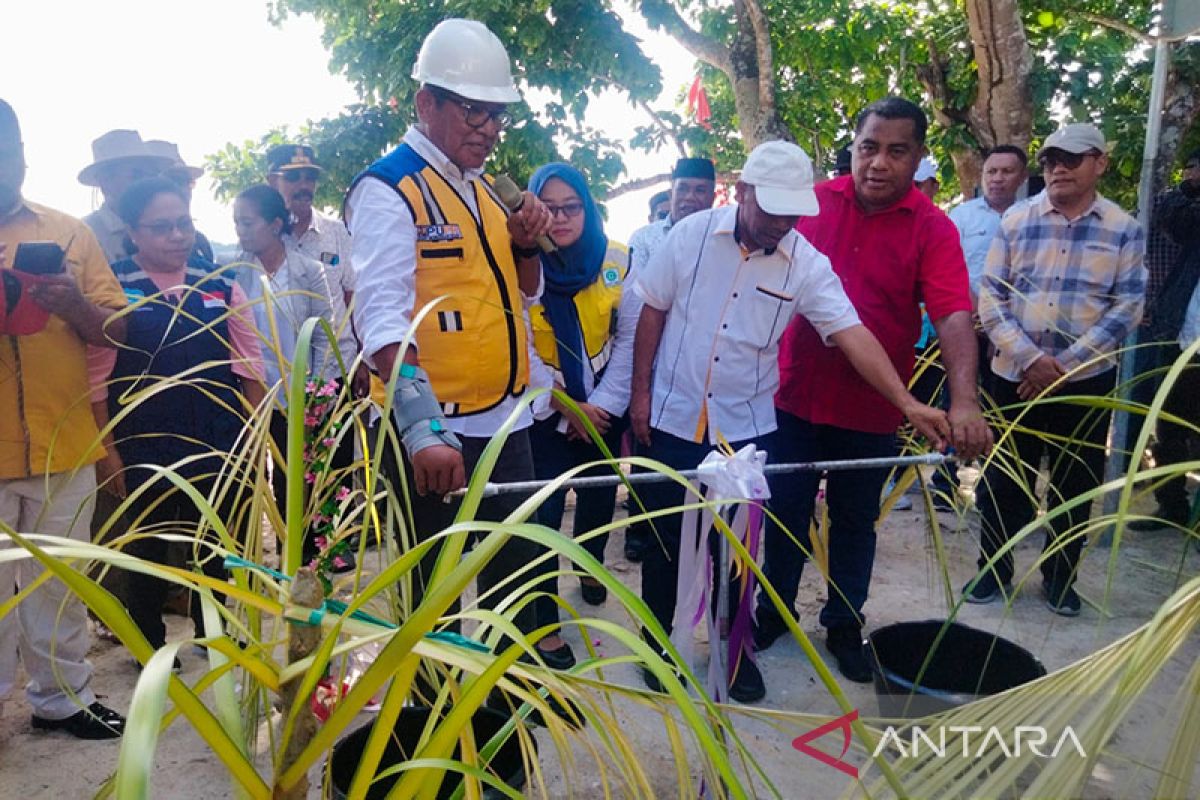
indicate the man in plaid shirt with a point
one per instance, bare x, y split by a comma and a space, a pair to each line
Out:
1063, 286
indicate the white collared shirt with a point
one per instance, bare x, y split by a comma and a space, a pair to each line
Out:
717, 366
645, 242
327, 240
384, 256
977, 223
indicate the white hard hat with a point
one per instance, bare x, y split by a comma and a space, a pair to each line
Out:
464, 57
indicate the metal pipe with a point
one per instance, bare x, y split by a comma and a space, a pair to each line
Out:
596, 481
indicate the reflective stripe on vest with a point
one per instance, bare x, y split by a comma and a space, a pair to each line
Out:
472, 343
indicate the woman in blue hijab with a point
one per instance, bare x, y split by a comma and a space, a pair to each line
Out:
583, 327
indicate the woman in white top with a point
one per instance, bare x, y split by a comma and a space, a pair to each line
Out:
299, 290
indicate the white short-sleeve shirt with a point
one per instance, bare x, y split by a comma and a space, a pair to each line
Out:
717, 366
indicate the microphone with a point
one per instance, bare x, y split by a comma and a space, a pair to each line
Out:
514, 200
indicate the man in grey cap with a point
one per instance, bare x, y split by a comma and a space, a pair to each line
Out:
119, 159
1063, 286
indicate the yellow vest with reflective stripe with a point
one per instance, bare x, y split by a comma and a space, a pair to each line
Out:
472, 344
597, 309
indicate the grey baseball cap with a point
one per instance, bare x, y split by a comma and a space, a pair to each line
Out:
1076, 137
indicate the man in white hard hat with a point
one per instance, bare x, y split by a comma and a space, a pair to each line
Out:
425, 224
718, 297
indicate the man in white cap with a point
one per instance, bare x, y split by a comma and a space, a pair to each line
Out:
718, 297
426, 223
926, 178
1063, 286
119, 159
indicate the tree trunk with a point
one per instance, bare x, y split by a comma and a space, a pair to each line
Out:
1002, 111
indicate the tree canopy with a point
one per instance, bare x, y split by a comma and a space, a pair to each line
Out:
986, 70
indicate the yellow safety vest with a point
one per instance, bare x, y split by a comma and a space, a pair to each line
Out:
597, 309
472, 344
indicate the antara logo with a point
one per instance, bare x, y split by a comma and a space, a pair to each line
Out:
1032, 737
939, 742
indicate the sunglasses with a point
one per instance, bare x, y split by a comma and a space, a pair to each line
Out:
476, 115
165, 227
1052, 158
297, 175
568, 210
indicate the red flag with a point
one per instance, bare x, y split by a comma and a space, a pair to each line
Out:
697, 104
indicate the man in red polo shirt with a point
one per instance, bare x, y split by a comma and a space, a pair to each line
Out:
893, 249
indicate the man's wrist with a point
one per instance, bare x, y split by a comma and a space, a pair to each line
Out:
526, 252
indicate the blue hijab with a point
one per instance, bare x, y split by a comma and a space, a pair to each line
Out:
571, 270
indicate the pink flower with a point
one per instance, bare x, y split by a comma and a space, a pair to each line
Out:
310, 477
342, 493
310, 387
311, 421
329, 441
328, 390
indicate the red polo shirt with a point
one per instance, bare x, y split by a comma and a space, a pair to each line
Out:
889, 262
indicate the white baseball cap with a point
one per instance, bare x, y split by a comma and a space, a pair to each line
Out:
925, 170
782, 176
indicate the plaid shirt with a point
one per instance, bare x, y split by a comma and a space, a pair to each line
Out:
1073, 289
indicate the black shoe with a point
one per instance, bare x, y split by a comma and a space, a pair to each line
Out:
594, 594
747, 685
766, 631
94, 722
559, 658
846, 645
1162, 518
1062, 601
986, 590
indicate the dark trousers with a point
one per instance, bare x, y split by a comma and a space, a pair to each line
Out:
554, 454
1005, 493
341, 458
852, 497
145, 594
430, 515
660, 564
1151, 358
1172, 445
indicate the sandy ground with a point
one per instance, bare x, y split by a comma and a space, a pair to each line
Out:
905, 587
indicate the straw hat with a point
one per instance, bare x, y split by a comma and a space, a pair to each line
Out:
116, 147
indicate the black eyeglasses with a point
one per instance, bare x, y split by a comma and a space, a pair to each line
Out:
476, 114
297, 175
164, 227
568, 210
662, 214
1052, 158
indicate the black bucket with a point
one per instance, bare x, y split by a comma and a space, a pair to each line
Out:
507, 764
967, 664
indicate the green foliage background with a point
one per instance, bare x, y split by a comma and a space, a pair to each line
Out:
832, 57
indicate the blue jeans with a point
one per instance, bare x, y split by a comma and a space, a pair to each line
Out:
554, 454
853, 500
660, 564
